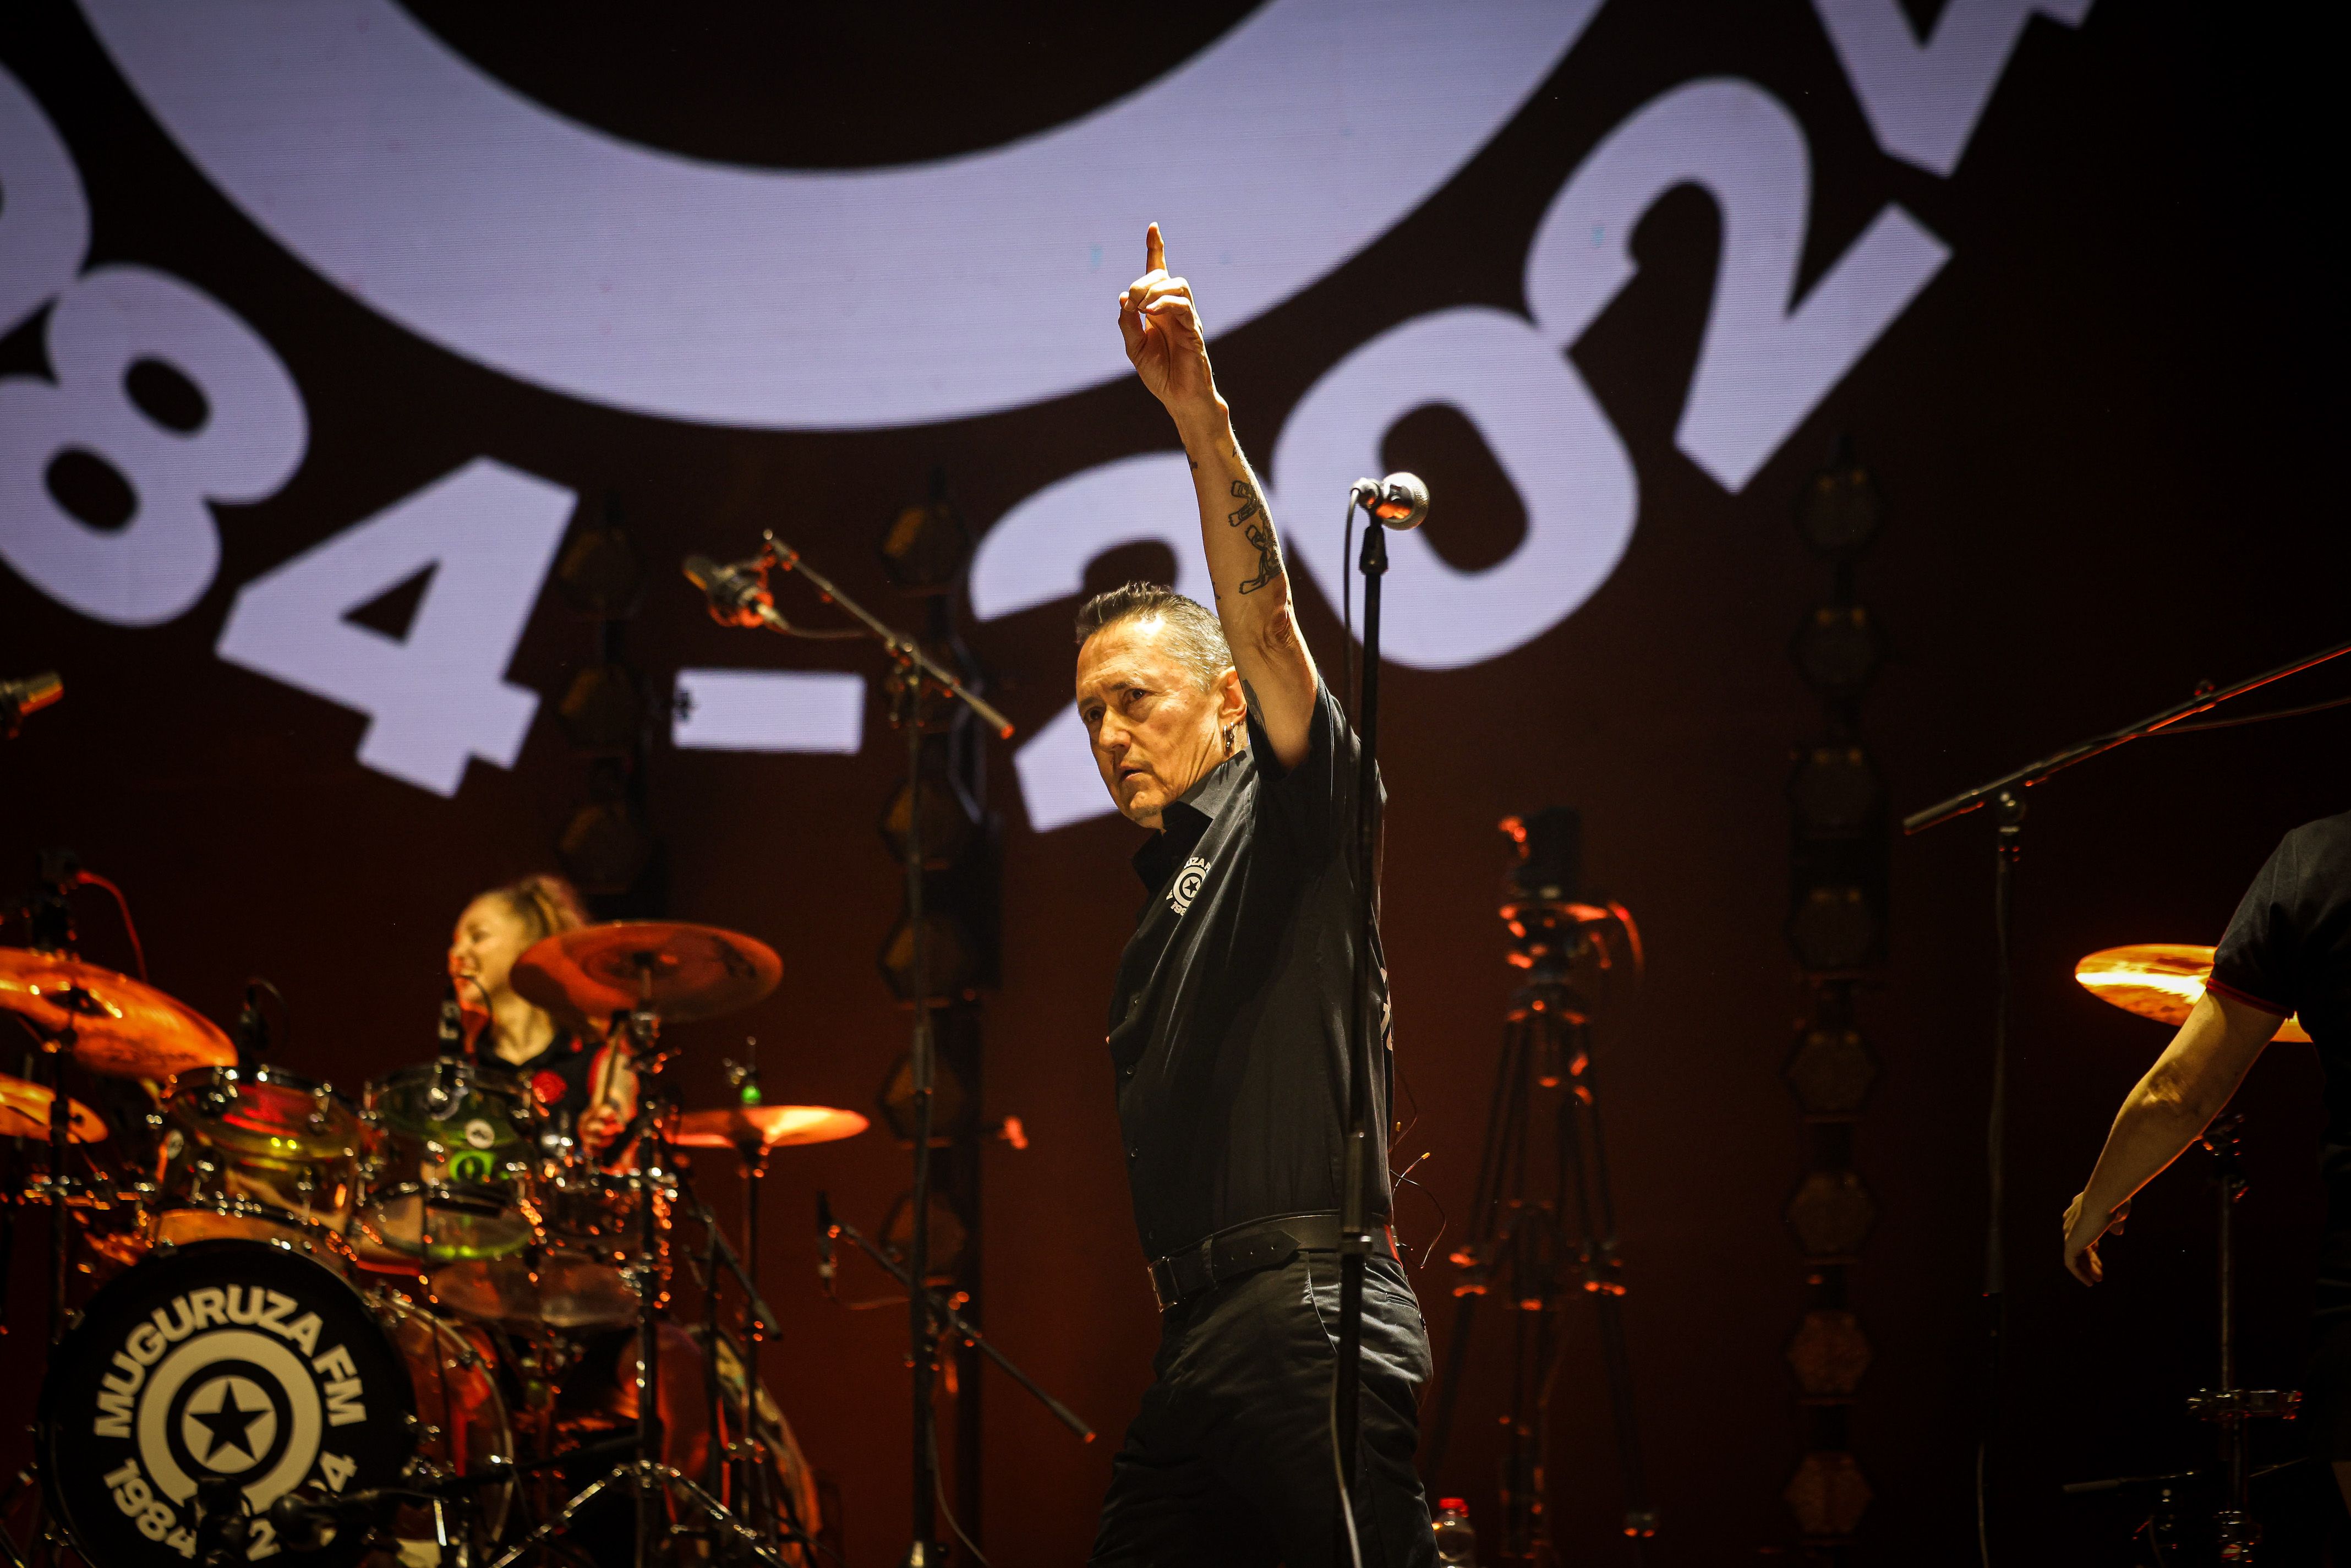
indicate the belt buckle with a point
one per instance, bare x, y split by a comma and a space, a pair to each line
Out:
1164, 1298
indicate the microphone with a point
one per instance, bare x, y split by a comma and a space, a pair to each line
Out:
30, 694
824, 1267
738, 595
1399, 501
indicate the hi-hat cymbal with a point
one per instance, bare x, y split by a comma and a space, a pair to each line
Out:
683, 972
25, 1113
765, 1126
2159, 980
121, 1026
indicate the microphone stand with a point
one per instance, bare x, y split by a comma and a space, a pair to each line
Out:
951, 1319
915, 668
2005, 795
1354, 1234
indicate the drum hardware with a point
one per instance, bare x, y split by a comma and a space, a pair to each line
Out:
2005, 796
117, 1027
2159, 980
25, 1113
647, 972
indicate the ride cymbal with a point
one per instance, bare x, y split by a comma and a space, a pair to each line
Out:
683, 972
120, 1026
25, 1113
765, 1126
2159, 980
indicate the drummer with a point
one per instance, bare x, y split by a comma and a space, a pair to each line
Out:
589, 1091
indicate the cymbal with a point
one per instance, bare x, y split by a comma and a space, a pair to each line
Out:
25, 1113
2159, 980
121, 1026
683, 972
766, 1126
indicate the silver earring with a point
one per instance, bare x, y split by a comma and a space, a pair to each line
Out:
1229, 740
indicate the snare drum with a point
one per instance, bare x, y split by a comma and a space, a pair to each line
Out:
449, 1163
255, 1153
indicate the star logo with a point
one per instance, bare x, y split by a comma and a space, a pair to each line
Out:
228, 1424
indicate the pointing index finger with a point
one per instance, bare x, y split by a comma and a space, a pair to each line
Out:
1155, 250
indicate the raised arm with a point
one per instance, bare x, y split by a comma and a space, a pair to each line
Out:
1170, 352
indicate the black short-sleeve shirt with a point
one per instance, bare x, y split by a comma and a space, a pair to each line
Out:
1228, 1028
2288, 950
557, 1077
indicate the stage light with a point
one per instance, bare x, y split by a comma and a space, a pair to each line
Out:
601, 710
950, 1237
925, 547
948, 1101
1837, 511
1829, 1353
953, 959
1832, 1071
948, 823
1828, 1495
599, 573
1833, 928
605, 848
1837, 650
1832, 1213
1834, 790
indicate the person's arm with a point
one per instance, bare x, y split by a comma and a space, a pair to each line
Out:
1170, 352
611, 1102
2167, 1111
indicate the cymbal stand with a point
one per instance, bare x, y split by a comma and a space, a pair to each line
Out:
653, 1482
751, 1166
2231, 1408
760, 1319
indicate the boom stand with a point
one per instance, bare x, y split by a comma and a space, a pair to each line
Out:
2006, 795
915, 668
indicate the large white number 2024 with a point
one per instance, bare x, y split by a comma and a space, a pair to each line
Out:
488, 534
240, 442
434, 698
1767, 361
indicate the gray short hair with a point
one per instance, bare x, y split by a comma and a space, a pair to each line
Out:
1193, 634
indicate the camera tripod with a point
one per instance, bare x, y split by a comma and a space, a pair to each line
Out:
1533, 1250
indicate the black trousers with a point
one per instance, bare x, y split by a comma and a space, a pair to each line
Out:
1230, 1461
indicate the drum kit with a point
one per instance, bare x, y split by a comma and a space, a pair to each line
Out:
398, 1328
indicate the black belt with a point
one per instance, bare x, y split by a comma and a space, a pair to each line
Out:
1245, 1248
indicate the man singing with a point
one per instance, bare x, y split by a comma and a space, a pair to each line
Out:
1228, 1033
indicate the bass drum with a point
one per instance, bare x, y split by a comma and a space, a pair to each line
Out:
242, 1367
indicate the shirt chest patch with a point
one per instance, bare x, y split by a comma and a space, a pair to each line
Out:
1187, 885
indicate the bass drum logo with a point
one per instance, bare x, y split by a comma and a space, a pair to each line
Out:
222, 1365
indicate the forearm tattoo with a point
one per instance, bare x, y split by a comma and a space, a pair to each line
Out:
1257, 526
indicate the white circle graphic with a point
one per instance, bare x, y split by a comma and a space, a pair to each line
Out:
833, 299
191, 1361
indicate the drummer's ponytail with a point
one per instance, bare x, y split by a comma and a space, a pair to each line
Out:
546, 903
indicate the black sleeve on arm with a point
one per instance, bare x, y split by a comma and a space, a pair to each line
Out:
2260, 960
1316, 800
